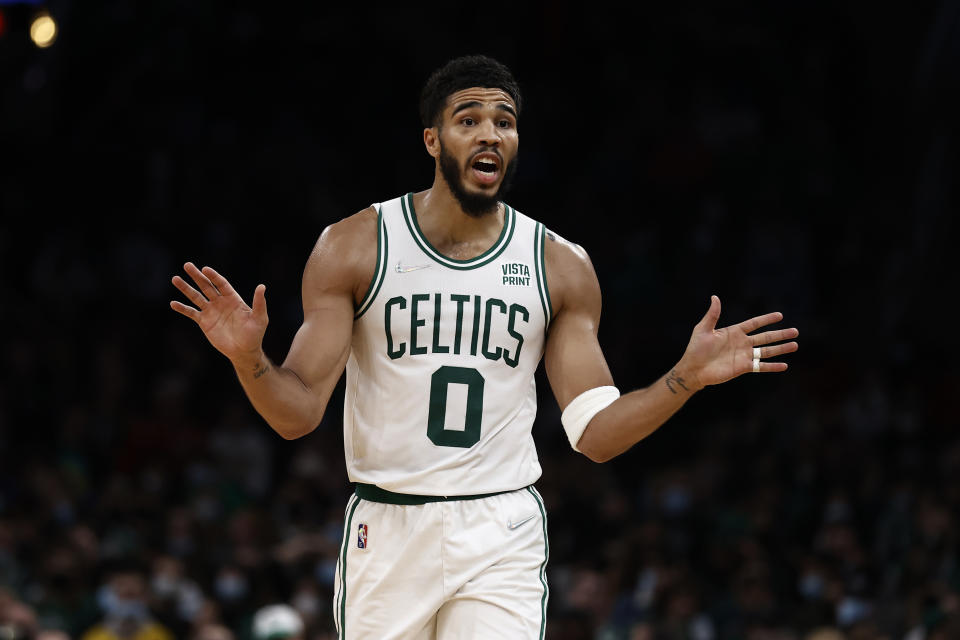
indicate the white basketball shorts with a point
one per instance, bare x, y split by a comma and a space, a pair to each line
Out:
448, 569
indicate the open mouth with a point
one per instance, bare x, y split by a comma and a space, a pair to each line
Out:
486, 168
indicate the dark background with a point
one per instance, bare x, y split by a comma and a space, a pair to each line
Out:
800, 157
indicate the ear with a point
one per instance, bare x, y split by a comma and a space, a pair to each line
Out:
431, 140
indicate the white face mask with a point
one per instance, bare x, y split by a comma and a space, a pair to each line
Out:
125, 608
231, 587
190, 601
811, 586
851, 610
164, 586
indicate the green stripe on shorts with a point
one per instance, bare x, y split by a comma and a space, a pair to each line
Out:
347, 532
543, 567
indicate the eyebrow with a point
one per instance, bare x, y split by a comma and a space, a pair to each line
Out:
474, 103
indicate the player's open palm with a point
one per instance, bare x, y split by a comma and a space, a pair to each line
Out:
231, 326
717, 355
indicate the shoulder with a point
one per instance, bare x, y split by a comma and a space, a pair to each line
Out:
570, 274
357, 229
345, 254
565, 261
563, 254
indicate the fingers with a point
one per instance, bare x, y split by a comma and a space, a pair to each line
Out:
772, 367
192, 294
778, 350
774, 336
211, 284
772, 351
709, 320
183, 309
260, 302
206, 287
218, 281
751, 325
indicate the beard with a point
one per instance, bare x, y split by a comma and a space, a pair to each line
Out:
475, 205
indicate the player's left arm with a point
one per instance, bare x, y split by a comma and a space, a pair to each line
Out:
575, 363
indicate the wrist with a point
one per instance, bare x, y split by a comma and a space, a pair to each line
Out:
251, 363
683, 379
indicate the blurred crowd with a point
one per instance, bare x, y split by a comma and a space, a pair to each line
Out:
136, 483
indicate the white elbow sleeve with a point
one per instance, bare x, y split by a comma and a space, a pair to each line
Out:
581, 410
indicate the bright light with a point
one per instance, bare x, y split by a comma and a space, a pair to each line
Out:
43, 30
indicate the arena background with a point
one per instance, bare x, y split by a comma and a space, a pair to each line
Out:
788, 156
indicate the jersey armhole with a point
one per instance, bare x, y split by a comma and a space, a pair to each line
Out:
381, 269
539, 236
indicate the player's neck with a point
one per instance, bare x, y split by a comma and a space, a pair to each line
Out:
443, 221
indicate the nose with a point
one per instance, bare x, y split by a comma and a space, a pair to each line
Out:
488, 134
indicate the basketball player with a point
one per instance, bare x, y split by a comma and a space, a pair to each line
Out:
439, 305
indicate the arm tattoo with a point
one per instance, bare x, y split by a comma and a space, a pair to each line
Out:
675, 379
259, 370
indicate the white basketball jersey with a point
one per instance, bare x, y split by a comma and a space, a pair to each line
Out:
440, 395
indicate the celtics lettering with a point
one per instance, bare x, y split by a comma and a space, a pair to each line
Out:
492, 328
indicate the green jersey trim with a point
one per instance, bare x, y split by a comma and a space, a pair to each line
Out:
539, 237
506, 234
381, 269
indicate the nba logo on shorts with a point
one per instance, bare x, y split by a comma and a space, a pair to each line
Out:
362, 536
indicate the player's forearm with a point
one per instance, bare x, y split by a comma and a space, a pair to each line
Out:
635, 415
279, 396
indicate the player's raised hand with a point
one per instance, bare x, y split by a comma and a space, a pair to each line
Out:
717, 355
231, 326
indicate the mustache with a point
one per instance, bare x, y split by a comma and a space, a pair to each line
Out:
492, 150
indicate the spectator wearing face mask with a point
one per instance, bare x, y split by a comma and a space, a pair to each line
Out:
18, 621
126, 612
277, 622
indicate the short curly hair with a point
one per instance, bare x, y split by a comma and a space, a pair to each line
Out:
462, 73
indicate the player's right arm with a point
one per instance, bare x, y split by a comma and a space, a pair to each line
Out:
291, 397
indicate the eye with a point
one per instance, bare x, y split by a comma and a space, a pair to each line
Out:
504, 124
468, 122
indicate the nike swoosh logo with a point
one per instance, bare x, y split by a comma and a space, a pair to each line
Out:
514, 525
403, 269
